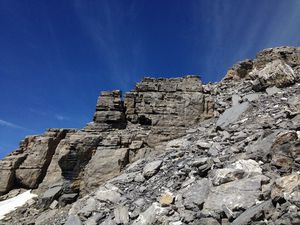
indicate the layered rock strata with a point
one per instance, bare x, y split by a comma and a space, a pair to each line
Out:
173, 151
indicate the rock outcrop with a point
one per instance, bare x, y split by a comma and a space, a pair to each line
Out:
160, 102
173, 151
27, 166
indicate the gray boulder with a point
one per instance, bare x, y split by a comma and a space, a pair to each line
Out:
231, 115
151, 168
235, 195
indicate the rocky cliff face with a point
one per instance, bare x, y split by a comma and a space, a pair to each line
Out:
173, 151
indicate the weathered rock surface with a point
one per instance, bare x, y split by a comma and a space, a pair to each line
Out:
232, 114
160, 102
27, 166
175, 152
275, 73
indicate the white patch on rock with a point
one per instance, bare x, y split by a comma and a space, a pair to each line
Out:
11, 204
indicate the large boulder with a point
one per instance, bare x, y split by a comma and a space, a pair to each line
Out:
238, 194
276, 73
284, 187
232, 114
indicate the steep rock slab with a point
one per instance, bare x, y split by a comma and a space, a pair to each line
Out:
69, 160
7, 170
26, 167
104, 165
40, 151
232, 114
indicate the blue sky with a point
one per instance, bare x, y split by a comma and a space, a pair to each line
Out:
56, 56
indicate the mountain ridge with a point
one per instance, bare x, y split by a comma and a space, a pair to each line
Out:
223, 125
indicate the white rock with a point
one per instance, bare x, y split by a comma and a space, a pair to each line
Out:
110, 193
250, 167
150, 215
121, 215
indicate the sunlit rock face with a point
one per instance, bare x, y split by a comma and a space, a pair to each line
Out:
168, 105
172, 151
26, 167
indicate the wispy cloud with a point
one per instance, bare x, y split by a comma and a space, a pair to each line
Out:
11, 125
57, 116
38, 112
235, 32
104, 31
61, 118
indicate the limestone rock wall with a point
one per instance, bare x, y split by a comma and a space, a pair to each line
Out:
234, 139
110, 109
26, 167
138, 124
168, 105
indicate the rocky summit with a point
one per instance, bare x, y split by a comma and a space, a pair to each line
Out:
173, 151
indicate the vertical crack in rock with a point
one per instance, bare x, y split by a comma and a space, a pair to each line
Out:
27, 166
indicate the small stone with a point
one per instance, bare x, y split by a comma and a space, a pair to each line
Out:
207, 221
150, 215
136, 145
89, 208
221, 176
121, 215
54, 204
139, 202
198, 162
272, 90
227, 211
139, 178
176, 223
166, 199
151, 168
225, 221
110, 194
68, 198
50, 195
203, 145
